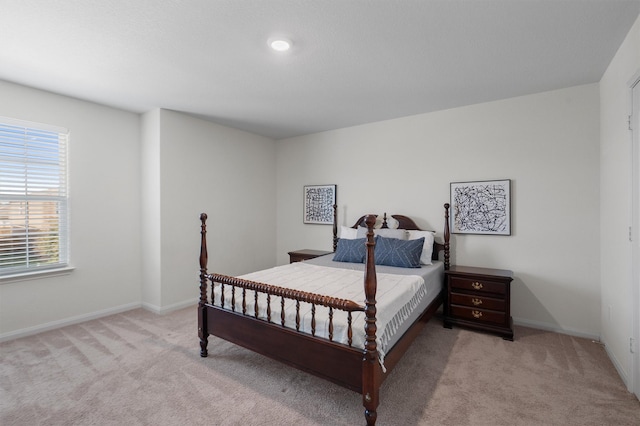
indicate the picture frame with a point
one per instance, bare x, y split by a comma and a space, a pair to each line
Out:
481, 207
318, 204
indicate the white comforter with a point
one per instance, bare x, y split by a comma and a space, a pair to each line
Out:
396, 297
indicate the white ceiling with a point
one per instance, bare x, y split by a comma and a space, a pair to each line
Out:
352, 62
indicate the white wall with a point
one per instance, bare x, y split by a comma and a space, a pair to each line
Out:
104, 181
138, 185
546, 143
615, 207
150, 226
230, 175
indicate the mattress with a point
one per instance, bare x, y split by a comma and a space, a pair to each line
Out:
402, 296
433, 276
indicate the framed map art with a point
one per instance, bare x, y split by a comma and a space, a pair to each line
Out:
318, 204
482, 207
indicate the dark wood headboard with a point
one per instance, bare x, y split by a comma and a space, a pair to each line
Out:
404, 222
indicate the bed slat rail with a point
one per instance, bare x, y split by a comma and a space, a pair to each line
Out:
288, 293
283, 293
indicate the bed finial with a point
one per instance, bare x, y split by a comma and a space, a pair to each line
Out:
385, 225
447, 235
203, 245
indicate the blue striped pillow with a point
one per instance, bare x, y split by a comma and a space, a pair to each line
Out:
352, 251
400, 253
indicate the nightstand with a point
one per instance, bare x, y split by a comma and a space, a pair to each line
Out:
300, 255
479, 298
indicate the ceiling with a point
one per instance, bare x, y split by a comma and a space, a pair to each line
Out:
352, 61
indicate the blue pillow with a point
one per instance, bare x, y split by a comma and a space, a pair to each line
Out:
400, 253
352, 251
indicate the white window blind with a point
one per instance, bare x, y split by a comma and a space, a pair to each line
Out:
33, 197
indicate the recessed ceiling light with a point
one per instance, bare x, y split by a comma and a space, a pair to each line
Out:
280, 44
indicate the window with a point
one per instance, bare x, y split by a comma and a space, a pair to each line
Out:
33, 197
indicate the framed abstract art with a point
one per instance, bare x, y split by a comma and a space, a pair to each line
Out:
482, 207
318, 204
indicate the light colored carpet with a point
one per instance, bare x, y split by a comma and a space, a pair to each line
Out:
138, 368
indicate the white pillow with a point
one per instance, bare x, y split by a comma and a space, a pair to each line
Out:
427, 248
400, 234
348, 233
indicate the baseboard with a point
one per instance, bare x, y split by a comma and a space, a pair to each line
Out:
29, 331
555, 328
618, 367
170, 308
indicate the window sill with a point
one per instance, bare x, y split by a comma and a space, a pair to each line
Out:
25, 276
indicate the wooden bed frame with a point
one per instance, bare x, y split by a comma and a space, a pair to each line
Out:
357, 369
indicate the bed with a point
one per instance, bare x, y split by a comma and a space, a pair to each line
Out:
335, 330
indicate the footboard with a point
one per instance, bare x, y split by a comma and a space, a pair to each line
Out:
265, 292
229, 308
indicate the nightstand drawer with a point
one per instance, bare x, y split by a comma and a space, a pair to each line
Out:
478, 315
477, 285
478, 301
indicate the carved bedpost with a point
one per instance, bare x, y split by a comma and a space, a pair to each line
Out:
447, 235
371, 368
203, 333
335, 227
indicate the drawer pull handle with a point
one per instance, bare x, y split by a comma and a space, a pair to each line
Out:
476, 285
476, 302
476, 314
